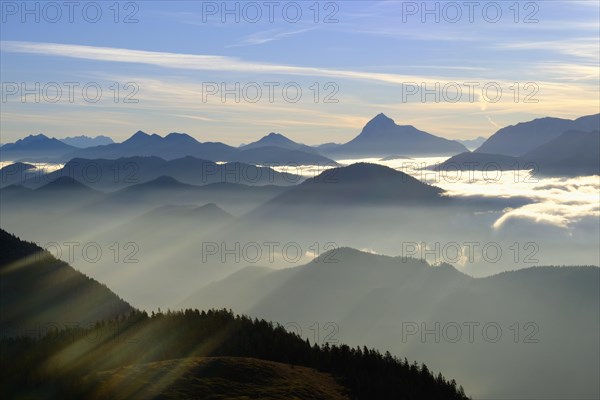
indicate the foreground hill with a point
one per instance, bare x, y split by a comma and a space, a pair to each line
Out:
40, 292
123, 358
205, 375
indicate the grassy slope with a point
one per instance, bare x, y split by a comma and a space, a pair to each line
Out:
216, 378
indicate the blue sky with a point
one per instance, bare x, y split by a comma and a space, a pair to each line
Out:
175, 58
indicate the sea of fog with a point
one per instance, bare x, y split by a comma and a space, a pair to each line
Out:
558, 203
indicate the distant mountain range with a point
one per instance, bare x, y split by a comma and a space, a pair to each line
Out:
569, 154
172, 146
381, 136
35, 147
277, 156
83, 141
65, 192
278, 140
478, 162
517, 140
472, 144
112, 174
168, 190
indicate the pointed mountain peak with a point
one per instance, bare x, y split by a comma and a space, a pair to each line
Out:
142, 137
380, 120
380, 125
275, 137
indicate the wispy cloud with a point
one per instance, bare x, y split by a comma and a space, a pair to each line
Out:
585, 47
200, 62
495, 125
267, 36
195, 117
231, 64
